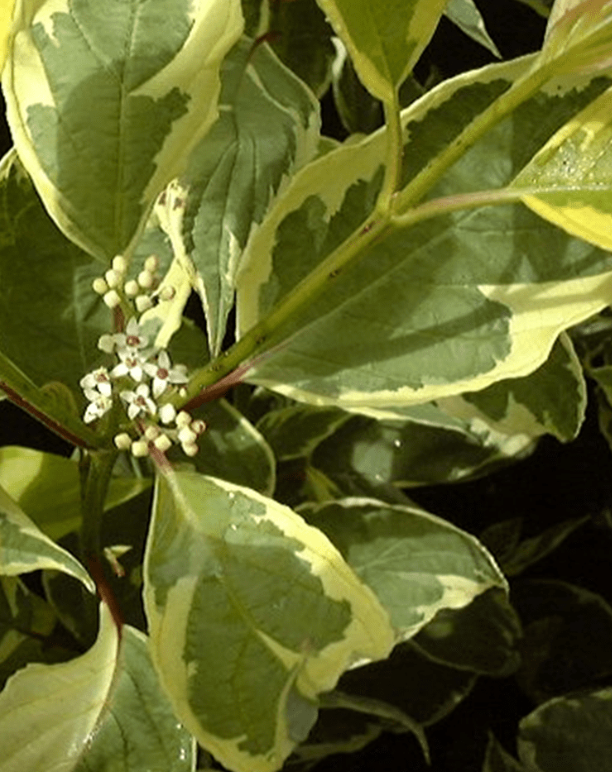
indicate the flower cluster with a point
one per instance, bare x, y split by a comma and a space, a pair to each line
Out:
141, 374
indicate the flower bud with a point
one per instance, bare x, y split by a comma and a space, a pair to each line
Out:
190, 449
123, 441
145, 279
186, 436
140, 448
167, 292
198, 426
119, 264
163, 443
152, 432
106, 343
167, 413
143, 303
131, 288
113, 278
99, 286
112, 298
151, 264
183, 419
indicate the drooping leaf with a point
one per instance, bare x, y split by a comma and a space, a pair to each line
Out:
105, 102
568, 181
47, 488
358, 110
433, 690
251, 613
416, 563
483, 637
451, 304
99, 711
267, 128
24, 548
551, 399
568, 734
465, 14
427, 447
302, 39
385, 40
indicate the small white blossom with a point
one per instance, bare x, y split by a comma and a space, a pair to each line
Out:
164, 374
146, 279
131, 364
95, 383
131, 288
132, 338
113, 278
119, 264
99, 286
198, 426
151, 264
97, 407
186, 436
183, 419
139, 402
152, 432
106, 343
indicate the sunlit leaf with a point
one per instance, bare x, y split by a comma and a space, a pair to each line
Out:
385, 40
449, 305
6, 15
104, 103
47, 488
416, 563
568, 181
579, 35
252, 613
267, 128
24, 548
465, 14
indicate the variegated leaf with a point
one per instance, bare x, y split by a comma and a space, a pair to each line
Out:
105, 101
251, 614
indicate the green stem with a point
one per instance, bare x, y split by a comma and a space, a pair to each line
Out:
395, 151
504, 105
261, 339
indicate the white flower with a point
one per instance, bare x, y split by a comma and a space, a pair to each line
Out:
133, 337
139, 402
164, 374
96, 382
131, 364
98, 406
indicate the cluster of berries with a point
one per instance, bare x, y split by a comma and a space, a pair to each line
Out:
142, 373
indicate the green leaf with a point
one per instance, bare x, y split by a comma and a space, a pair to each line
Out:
25, 622
416, 563
481, 637
567, 634
435, 689
99, 711
497, 760
296, 430
578, 36
358, 110
24, 548
47, 488
427, 447
138, 730
425, 310
103, 105
385, 40
302, 39
568, 180
251, 613
468, 18
232, 449
267, 128
568, 734
552, 399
